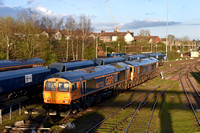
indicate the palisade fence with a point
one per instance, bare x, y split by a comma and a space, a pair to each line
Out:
10, 110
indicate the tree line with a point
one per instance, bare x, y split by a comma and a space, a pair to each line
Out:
32, 35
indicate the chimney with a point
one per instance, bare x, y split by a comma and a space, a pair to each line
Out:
102, 31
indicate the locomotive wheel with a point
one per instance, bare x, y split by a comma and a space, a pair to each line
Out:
99, 98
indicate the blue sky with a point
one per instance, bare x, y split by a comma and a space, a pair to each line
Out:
133, 15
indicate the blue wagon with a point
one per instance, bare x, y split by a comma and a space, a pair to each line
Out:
62, 67
133, 57
115, 54
19, 82
105, 61
6, 65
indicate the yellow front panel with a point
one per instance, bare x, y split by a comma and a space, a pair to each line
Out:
56, 97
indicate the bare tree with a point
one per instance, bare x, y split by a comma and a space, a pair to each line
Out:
28, 33
144, 33
7, 30
84, 27
70, 26
185, 40
171, 40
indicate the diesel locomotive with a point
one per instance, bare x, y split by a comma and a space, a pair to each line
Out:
68, 92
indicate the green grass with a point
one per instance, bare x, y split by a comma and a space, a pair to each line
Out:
172, 116
16, 116
176, 116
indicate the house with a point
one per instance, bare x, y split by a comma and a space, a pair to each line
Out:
44, 33
113, 36
58, 35
150, 39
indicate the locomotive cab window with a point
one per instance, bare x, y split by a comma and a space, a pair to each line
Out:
131, 69
74, 86
63, 86
50, 86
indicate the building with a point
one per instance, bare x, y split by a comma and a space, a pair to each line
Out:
150, 39
113, 36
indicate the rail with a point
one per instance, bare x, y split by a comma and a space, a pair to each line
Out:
191, 105
154, 106
140, 106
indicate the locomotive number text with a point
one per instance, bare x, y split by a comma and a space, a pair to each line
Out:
109, 80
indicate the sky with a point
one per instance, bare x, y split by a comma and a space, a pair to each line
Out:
132, 15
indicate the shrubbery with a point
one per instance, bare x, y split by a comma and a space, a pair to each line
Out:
172, 55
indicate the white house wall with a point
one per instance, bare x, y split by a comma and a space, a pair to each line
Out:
128, 38
114, 38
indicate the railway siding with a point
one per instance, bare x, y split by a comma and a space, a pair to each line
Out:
172, 113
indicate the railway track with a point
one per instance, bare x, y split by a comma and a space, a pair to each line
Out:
133, 104
108, 124
188, 86
175, 68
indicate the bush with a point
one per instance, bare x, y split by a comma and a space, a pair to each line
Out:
50, 58
2, 55
172, 55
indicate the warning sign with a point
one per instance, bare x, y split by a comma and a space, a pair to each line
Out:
28, 78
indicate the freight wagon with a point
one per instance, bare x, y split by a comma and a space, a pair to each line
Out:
133, 57
62, 67
6, 65
22, 82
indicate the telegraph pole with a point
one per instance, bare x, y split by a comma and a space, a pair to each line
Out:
96, 47
167, 31
7, 49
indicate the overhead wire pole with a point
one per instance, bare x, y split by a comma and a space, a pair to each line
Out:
112, 16
167, 31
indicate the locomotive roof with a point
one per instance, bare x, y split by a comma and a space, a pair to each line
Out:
72, 65
116, 54
154, 54
133, 57
142, 62
91, 72
20, 62
22, 72
105, 61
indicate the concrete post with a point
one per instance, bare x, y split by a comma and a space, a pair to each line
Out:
20, 111
1, 121
10, 112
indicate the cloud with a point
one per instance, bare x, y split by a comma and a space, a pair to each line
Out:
44, 11
103, 26
136, 24
30, 2
1, 3
150, 13
8, 11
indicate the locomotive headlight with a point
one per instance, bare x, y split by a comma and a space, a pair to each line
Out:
46, 100
64, 101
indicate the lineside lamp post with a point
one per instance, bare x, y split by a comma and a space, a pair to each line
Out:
167, 31
118, 47
67, 52
106, 50
97, 44
96, 47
